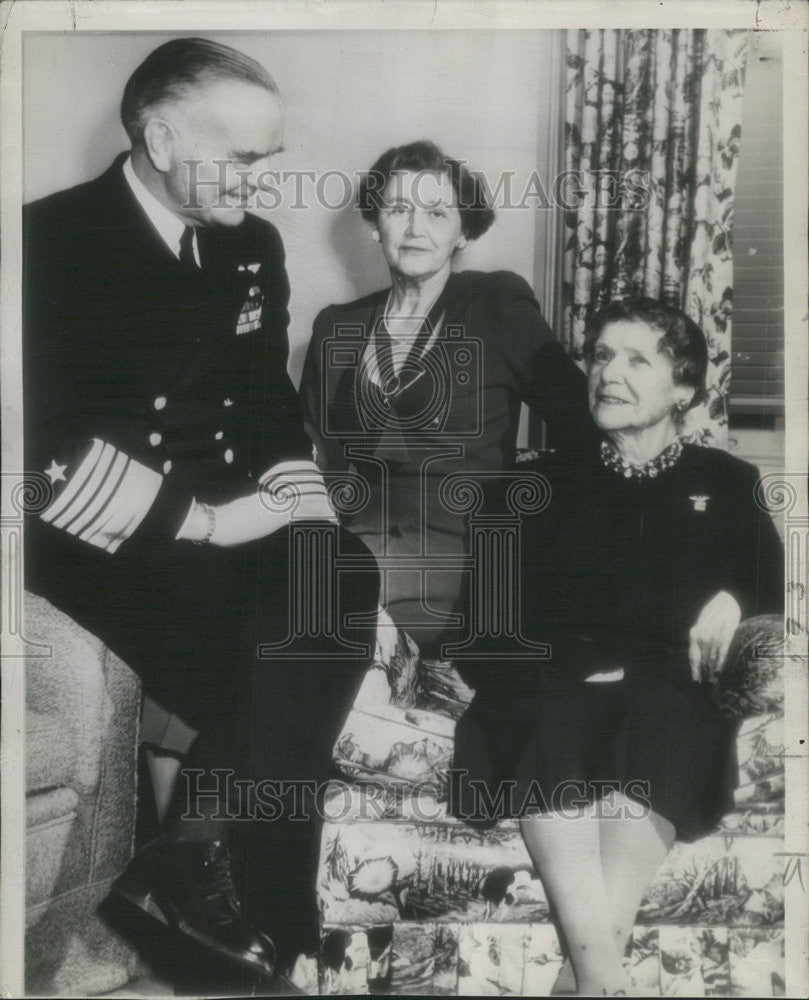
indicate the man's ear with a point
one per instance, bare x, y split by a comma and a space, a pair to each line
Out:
158, 140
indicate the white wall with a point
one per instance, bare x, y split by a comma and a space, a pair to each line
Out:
480, 95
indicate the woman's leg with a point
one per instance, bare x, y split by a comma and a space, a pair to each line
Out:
633, 847
632, 850
567, 854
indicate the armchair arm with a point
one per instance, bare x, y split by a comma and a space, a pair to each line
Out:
752, 682
76, 684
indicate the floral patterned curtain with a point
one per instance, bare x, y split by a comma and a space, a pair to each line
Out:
652, 129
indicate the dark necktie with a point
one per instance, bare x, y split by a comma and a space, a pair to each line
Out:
187, 248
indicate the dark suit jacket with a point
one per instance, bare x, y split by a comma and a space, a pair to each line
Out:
494, 351
148, 383
616, 570
455, 421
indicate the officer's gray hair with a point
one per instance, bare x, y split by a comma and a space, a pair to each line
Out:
177, 66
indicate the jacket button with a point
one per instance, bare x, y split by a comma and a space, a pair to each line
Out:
229, 455
219, 435
160, 402
167, 467
155, 439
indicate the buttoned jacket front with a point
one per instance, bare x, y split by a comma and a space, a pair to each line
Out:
148, 382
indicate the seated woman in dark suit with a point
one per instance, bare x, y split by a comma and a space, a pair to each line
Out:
425, 378
649, 554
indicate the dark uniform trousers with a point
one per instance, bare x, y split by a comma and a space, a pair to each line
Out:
147, 386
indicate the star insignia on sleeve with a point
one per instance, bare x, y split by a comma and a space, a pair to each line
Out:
56, 472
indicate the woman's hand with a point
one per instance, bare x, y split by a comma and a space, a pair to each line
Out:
387, 636
709, 638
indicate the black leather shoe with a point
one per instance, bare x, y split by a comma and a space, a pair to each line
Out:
188, 886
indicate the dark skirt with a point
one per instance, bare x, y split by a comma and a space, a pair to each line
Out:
420, 602
557, 743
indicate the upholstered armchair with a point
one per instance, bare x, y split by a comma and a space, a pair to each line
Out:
82, 709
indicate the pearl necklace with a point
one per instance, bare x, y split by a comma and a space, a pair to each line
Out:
646, 470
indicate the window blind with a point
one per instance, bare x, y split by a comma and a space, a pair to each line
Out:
757, 364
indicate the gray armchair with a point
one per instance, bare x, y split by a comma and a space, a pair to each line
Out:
82, 708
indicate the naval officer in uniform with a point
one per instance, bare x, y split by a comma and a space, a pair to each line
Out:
161, 416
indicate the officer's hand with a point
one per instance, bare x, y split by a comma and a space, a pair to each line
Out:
711, 635
290, 491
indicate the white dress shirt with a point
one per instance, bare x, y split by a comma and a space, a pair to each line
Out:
169, 227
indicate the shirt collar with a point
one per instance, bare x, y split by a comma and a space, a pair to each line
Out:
168, 226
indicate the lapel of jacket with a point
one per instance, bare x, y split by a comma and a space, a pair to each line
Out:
140, 243
349, 409
188, 311
226, 255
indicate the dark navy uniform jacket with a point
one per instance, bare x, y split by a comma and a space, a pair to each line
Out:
149, 383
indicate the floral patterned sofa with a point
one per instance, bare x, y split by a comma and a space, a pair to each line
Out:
413, 901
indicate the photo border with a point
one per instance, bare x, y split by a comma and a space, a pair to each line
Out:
355, 15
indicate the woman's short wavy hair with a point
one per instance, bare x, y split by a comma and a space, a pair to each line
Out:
474, 204
681, 339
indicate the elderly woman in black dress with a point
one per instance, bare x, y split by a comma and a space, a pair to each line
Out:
425, 378
637, 574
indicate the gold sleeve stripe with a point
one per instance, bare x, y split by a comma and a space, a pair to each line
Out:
106, 498
126, 508
76, 483
106, 489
